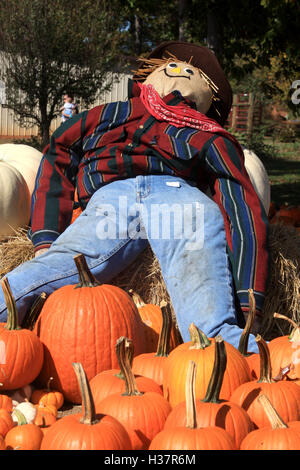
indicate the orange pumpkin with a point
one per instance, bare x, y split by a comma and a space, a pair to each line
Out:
2, 443
142, 414
285, 350
284, 395
47, 396
24, 436
112, 381
192, 436
151, 316
6, 422
44, 419
152, 364
86, 431
22, 348
202, 350
6, 403
280, 436
89, 317
47, 408
211, 411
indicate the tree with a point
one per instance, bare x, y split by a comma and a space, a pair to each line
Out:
53, 48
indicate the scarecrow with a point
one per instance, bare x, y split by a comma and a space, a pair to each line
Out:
143, 169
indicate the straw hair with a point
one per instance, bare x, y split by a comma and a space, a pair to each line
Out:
144, 276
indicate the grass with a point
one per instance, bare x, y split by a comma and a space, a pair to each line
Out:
283, 169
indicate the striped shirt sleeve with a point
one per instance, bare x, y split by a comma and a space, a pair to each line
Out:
53, 196
245, 220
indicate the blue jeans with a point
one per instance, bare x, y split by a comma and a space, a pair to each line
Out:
185, 230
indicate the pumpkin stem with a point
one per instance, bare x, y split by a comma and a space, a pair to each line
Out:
137, 299
198, 338
48, 384
244, 339
275, 420
124, 349
20, 417
216, 379
191, 417
32, 315
86, 278
88, 406
163, 344
295, 334
129, 353
12, 312
265, 361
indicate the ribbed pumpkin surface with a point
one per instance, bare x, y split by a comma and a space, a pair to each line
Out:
83, 325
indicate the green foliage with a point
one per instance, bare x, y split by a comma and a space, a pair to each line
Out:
51, 48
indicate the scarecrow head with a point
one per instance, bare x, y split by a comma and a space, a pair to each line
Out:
192, 70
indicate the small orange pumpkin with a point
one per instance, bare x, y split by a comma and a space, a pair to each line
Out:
24, 436
6, 422
6, 402
47, 408
47, 396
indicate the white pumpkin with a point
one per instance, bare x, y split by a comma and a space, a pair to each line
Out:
24, 158
258, 177
14, 200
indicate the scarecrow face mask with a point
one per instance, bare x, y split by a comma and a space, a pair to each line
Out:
181, 76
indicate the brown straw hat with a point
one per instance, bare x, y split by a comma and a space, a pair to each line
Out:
204, 59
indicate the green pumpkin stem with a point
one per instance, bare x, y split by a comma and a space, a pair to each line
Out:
294, 336
191, 415
129, 352
32, 315
88, 406
275, 420
20, 417
265, 361
124, 350
216, 378
199, 339
163, 344
244, 339
86, 278
12, 312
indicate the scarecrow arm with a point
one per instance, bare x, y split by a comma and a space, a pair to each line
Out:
245, 220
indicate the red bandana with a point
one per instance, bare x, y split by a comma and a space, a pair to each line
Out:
180, 115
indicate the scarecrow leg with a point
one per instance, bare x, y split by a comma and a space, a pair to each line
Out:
192, 256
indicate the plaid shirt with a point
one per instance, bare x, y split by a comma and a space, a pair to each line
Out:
122, 140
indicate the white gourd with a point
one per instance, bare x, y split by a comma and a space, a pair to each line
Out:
24, 158
14, 200
258, 177
27, 409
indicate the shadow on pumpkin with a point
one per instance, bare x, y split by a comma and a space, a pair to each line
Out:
250, 398
221, 415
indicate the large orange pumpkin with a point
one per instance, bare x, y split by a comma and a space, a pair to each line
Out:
280, 436
142, 414
202, 350
191, 435
81, 323
21, 350
211, 411
284, 395
112, 381
86, 430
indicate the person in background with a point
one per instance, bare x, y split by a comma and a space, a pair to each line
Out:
68, 109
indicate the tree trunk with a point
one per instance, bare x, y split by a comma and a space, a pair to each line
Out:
45, 132
214, 38
181, 20
137, 34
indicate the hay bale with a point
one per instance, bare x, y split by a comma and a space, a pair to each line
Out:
144, 275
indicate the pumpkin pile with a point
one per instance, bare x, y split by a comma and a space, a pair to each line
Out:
139, 386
